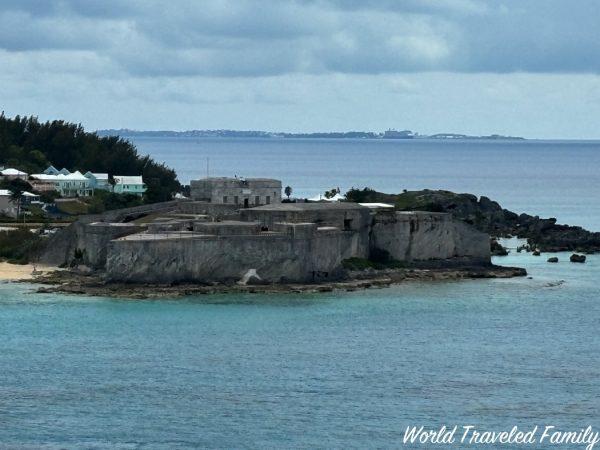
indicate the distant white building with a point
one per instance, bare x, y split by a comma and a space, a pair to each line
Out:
129, 185
13, 174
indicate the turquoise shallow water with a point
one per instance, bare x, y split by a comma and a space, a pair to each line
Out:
311, 371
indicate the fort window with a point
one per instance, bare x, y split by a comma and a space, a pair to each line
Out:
347, 224
236, 200
268, 200
246, 203
257, 200
224, 199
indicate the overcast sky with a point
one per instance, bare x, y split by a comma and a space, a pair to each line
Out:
520, 67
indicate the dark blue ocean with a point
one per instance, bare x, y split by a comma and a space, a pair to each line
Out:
334, 370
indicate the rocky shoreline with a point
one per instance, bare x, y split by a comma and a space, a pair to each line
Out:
93, 284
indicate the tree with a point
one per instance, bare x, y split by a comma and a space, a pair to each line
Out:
288, 191
16, 188
30, 145
332, 193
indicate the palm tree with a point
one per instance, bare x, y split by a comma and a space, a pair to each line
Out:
15, 197
16, 188
288, 191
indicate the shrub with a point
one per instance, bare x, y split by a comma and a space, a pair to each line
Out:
20, 246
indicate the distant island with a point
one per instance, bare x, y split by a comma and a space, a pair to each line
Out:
389, 134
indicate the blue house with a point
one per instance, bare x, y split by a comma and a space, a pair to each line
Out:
98, 181
129, 185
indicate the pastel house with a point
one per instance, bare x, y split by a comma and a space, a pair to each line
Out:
69, 185
129, 185
51, 170
98, 181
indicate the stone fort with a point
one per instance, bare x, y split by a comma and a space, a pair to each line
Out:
234, 228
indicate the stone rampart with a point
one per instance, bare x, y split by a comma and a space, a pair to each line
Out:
275, 257
423, 236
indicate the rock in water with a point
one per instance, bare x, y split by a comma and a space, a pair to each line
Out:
554, 259
577, 258
497, 249
536, 252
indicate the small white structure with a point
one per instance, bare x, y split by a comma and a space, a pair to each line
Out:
129, 185
377, 205
13, 174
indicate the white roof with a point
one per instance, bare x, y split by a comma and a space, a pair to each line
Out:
121, 179
75, 176
43, 177
98, 176
6, 193
376, 205
12, 172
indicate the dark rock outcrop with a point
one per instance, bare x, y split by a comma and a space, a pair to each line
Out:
577, 258
497, 249
553, 259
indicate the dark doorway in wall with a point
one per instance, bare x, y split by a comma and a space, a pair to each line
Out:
347, 224
246, 203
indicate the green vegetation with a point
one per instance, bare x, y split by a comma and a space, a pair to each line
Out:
288, 191
29, 145
107, 201
20, 246
368, 195
332, 193
425, 200
72, 207
101, 201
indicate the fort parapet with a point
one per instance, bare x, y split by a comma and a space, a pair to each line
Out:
285, 242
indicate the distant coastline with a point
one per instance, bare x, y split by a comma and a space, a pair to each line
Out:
389, 134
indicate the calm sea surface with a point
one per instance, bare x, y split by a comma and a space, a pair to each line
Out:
330, 370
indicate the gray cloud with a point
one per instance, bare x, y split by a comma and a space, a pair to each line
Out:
251, 38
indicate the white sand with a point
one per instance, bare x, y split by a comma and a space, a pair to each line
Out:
11, 272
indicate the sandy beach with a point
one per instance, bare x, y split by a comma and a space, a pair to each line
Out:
14, 272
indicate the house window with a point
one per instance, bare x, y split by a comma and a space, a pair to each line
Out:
224, 199
268, 200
